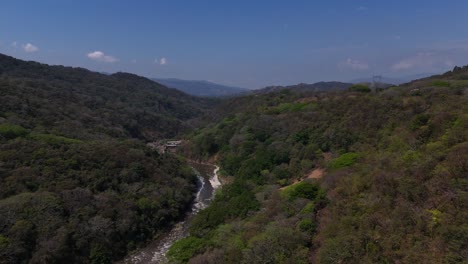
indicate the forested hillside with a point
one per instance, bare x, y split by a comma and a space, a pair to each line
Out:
386, 177
79, 103
305, 87
339, 176
76, 183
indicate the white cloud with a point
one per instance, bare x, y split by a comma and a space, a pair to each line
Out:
14, 44
30, 48
162, 61
354, 65
100, 56
423, 60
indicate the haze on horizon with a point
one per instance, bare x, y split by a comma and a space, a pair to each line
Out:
248, 44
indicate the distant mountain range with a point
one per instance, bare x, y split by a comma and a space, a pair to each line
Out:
394, 80
201, 88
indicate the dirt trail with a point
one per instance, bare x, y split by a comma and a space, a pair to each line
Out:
314, 174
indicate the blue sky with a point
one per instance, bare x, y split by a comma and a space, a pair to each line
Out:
244, 43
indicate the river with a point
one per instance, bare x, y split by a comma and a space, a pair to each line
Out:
155, 252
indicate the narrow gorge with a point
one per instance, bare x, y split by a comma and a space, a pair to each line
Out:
155, 252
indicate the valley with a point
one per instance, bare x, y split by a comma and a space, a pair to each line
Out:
328, 173
156, 251
233, 132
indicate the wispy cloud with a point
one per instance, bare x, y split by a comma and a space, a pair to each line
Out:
362, 8
14, 44
28, 47
434, 57
353, 64
100, 56
422, 61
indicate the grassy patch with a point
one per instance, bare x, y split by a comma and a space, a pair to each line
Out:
440, 83
54, 139
289, 107
344, 160
459, 83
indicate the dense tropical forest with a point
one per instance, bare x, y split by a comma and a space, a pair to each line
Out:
338, 177
77, 182
324, 173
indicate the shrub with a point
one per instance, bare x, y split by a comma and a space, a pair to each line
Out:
360, 88
181, 251
100, 255
419, 120
307, 225
309, 208
10, 131
4, 242
304, 190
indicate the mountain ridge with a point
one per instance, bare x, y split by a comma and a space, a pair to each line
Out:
201, 88
147, 109
394, 80
317, 87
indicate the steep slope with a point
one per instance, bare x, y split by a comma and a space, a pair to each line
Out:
394, 188
201, 88
76, 183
